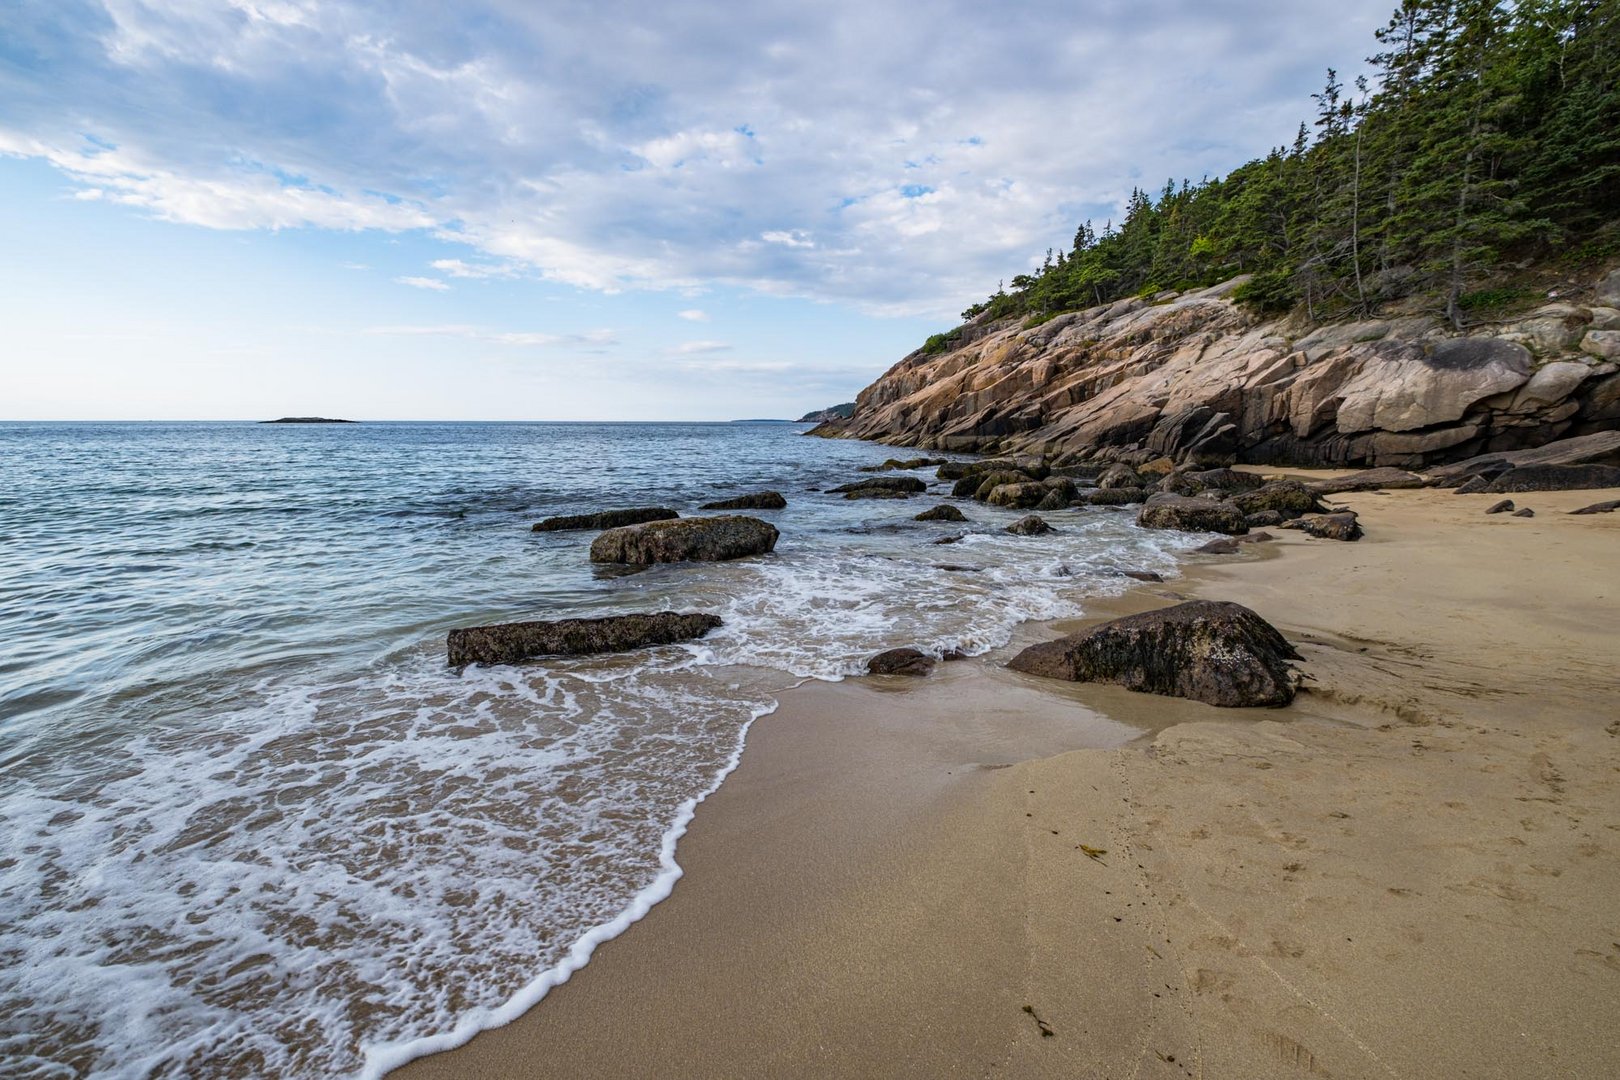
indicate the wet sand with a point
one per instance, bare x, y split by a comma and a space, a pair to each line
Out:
1411, 871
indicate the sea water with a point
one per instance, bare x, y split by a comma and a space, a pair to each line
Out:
251, 822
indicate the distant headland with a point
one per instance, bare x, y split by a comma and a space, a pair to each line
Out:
308, 420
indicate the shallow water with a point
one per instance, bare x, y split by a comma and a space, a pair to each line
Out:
252, 824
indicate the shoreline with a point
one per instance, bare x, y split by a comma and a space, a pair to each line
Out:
887, 878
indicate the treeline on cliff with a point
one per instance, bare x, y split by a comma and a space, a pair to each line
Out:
1487, 138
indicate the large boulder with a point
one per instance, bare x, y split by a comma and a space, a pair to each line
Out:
1341, 526
1556, 478
1120, 475
981, 485
1166, 511
1208, 650
606, 519
1408, 389
942, 512
508, 643
1114, 496
901, 662
1287, 496
1191, 482
759, 500
1032, 525
900, 484
729, 536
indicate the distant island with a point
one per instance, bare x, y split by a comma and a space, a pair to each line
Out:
308, 420
833, 412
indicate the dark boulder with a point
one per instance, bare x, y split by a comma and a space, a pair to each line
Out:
1124, 496
877, 493
1120, 475
988, 482
508, 643
759, 500
1033, 525
1340, 526
1598, 448
942, 512
1142, 575
1526, 512
901, 484
1599, 508
1224, 546
1191, 482
1503, 507
908, 463
1473, 485
1265, 518
607, 519
1208, 650
1286, 496
1556, 478
1165, 511
957, 539
730, 536
900, 662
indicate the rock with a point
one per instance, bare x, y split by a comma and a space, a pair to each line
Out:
942, 512
508, 643
1192, 482
1162, 466
1556, 478
1406, 392
1526, 512
908, 463
1025, 496
958, 568
1340, 526
1599, 508
1287, 496
1604, 343
729, 536
1601, 448
1142, 575
1256, 538
988, 482
1605, 318
1224, 546
1118, 476
1473, 485
1164, 511
1550, 384
759, 500
902, 484
1033, 525
877, 493
951, 539
1503, 507
1114, 496
1367, 480
1211, 651
1607, 292
900, 662
607, 519
1264, 518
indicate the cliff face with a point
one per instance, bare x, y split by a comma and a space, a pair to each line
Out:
1196, 377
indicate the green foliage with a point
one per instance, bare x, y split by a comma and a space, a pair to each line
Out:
938, 343
1494, 299
1490, 134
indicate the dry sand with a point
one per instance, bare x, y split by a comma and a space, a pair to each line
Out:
1412, 871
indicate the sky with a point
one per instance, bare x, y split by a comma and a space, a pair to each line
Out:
560, 210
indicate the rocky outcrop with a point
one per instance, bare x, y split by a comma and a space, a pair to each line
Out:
508, 643
1368, 480
712, 539
1600, 448
900, 662
1204, 382
606, 519
1166, 511
1207, 650
906, 463
759, 500
1555, 478
1599, 508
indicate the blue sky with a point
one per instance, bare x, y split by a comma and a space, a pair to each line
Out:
514, 210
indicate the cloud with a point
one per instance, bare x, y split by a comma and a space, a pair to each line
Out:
698, 348
850, 153
594, 338
693, 315
424, 283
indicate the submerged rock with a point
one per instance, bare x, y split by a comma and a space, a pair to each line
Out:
508, 643
942, 512
1033, 525
730, 536
606, 519
1165, 511
900, 662
759, 500
1208, 650
901, 484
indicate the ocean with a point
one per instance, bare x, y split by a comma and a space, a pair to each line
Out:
252, 824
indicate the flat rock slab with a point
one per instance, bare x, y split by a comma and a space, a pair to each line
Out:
1207, 650
1555, 478
882, 483
1166, 511
509, 643
709, 539
759, 500
606, 519
1368, 480
1599, 508
1600, 448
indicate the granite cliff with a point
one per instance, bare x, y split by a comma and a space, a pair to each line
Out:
1201, 379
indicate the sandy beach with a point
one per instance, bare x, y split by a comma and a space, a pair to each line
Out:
1411, 871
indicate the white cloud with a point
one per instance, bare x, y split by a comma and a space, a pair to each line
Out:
794, 238
693, 315
459, 269
596, 338
424, 283
698, 348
